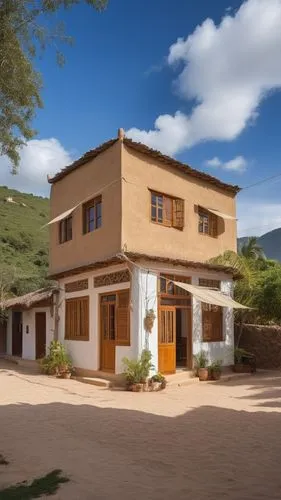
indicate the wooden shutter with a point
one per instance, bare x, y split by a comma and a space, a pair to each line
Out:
178, 214
123, 318
212, 323
213, 221
77, 318
167, 211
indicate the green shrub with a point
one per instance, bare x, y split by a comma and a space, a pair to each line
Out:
57, 361
200, 360
238, 355
137, 371
158, 377
215, 366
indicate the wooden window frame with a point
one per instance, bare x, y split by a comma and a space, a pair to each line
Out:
210, 283
96, 220
209, 228
65, 229
214, 316
80, 303
180, 292
172, 209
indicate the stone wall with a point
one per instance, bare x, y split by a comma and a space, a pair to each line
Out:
264, 342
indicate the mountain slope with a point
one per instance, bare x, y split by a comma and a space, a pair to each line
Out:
270, 242
23, 242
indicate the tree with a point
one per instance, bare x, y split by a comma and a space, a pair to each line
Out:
23, 32
258, 286
245, 272
252, 250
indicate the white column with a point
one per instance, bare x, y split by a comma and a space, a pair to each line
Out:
228, 325
144, 296
196, 321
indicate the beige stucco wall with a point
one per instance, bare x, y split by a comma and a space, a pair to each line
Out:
84, 182
139, 234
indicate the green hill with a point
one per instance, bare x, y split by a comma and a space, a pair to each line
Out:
270, 242
23, 242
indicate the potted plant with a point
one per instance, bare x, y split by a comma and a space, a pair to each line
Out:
201, 365
149, 319
215, 370
244, 362
57, 362
157, 382
137, 371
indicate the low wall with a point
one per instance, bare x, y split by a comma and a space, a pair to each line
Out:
263, 341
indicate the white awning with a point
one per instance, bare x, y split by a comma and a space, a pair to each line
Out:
61, 216
221, 214
210, 296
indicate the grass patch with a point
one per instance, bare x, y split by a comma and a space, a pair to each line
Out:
23, 241
3, 460
46, 485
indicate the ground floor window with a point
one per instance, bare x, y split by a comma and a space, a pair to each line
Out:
77, 318
212, 323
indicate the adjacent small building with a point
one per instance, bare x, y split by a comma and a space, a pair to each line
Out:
31, 323
131, 233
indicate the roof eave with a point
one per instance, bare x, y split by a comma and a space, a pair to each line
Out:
143, 149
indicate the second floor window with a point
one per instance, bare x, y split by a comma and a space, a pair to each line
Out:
207, 223
65, 230
92, 217
167, 210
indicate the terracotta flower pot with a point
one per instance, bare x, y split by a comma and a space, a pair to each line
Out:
137, 387
242, 368
156, 386
64, 375
216, 374
148, 323
203, 374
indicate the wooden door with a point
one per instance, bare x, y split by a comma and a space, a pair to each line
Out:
40, 335
17, 333
167, 339
108, 332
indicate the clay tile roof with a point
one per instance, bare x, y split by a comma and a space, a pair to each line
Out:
81, 161
141, 148
117, 259
186, 169
30, 299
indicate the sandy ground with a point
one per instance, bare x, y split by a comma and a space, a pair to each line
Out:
203, 441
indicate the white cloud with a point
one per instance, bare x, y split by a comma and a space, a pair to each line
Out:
214, 162
37, 159
237, 164
227, 69
257, 217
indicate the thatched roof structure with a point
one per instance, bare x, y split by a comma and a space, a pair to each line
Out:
37, 298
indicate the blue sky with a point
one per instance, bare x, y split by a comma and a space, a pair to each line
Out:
127, 68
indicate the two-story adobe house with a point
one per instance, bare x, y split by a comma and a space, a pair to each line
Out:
127, 223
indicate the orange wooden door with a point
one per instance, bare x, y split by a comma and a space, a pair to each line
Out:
40, 335
167, 339
108, 332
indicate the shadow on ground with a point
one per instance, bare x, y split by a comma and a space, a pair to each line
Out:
47, 485
107, 453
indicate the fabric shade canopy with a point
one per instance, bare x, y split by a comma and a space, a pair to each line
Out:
61, 216
210, 296
220, 214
